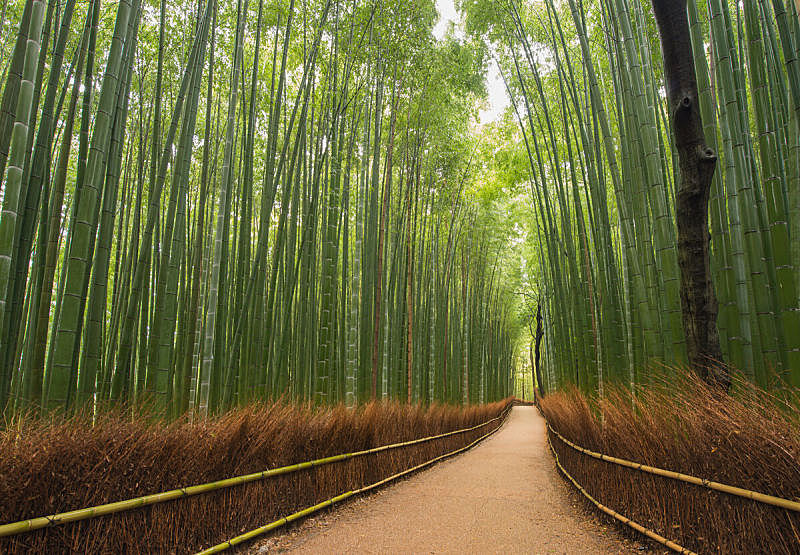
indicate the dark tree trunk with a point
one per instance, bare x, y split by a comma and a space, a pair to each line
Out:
697, 163
538, 338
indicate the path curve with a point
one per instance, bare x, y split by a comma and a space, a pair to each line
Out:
503, 496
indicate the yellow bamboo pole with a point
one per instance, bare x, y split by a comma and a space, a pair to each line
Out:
37, 523
732, 490
622, 518
277, 524
319, 506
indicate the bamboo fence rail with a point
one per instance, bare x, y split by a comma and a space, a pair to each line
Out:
625, 520
37, 523
310, 510
732, 490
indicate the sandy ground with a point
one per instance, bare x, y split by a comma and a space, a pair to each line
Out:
503, 496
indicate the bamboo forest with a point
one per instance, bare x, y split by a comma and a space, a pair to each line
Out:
336, 241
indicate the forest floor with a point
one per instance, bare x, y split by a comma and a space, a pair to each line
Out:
503, 496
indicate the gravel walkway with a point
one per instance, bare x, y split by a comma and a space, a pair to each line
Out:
503, 496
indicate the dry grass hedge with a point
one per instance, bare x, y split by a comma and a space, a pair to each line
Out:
50, 467
748, 439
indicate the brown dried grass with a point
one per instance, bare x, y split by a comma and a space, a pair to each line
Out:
749, 439
56, 466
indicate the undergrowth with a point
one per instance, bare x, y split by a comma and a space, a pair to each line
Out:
48, 467
748, 438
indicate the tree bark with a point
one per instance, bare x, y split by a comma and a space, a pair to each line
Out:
538, 339
697, 162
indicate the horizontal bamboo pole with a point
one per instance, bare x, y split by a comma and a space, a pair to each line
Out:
732, 490
319, 506
428, 463
622, 518
277, 524
37, 523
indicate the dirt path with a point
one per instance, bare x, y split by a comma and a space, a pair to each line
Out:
503, 496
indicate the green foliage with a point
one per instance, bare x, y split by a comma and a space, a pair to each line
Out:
216, 221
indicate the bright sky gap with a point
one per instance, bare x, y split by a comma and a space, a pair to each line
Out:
497, 100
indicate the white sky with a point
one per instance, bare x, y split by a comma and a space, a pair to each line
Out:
498, 99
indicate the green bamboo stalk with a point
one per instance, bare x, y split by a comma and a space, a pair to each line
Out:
14, 173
